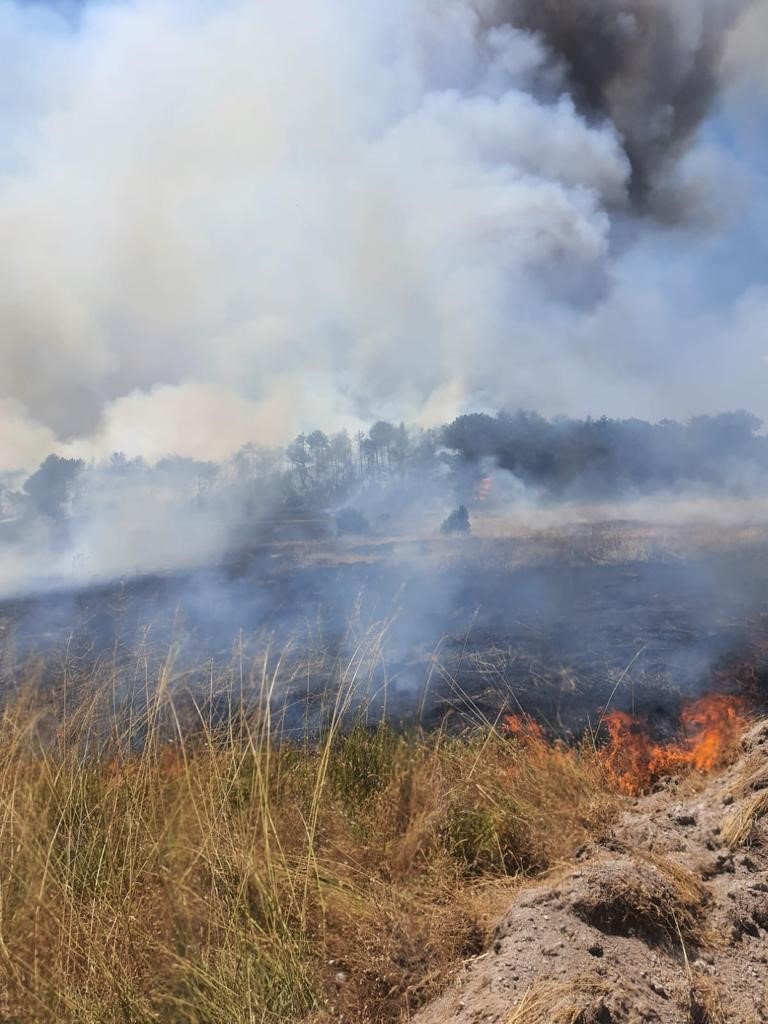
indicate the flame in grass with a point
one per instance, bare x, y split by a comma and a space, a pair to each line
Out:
711, 728
522, 727
717, 722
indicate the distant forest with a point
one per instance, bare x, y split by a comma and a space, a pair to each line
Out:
559, 458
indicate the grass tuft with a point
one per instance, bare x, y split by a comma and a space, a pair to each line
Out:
741, 825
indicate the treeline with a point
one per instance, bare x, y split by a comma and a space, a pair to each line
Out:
608, 457
560, 458
315, 472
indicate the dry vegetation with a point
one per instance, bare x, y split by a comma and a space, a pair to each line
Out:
153, 870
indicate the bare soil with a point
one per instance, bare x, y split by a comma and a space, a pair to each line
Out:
665, 920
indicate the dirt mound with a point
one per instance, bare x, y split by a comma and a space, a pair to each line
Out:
655, 900
665, 921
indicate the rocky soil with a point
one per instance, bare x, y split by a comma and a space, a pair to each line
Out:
665, 920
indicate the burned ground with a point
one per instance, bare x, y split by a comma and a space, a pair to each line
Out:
472, 627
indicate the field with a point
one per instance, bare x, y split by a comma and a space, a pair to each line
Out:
230, 876
293, 789
554, 621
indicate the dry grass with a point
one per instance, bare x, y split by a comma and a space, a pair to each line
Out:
740, 827
705, 1004
577, 1001
586, 999
158, 866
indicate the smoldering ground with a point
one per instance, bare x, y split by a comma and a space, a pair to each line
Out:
417, 633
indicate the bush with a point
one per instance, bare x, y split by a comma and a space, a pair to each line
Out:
457, 521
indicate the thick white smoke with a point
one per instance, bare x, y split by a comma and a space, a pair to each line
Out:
745, 53
223, 221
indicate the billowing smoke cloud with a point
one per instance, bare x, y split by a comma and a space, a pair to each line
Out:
223, 221
649, 67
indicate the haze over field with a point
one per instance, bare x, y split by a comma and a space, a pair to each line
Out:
224, 223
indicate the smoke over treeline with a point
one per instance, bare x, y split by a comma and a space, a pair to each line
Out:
76, 518
599, 458
221, 215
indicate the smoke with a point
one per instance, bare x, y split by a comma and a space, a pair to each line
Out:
745, 52
222, 221
23, 439
649, 67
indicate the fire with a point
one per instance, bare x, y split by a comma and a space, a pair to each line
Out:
522, 727
484, 488
717, 723
712, 726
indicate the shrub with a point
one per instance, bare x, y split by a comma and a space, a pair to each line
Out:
457, 521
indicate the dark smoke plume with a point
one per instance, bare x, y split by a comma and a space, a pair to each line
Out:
649, 66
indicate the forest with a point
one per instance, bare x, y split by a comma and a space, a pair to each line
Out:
558, 459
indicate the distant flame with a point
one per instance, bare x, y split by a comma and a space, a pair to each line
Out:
712, 727
484, 488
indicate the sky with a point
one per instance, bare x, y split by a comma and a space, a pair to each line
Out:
228, 222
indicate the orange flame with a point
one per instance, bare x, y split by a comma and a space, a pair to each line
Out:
522, 727
712, 726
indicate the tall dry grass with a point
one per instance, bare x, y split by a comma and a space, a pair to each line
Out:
162, 863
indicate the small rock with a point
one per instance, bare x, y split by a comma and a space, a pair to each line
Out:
340, 978
595, 949
659, 989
